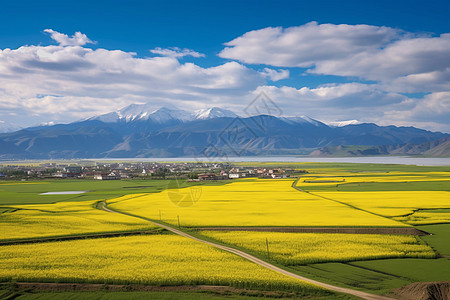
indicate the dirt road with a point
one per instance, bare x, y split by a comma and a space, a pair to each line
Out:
256, 260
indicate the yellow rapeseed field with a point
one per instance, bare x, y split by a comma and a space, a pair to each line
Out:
422, 217
153, 259
63, 218
401, 205
251, 202
307, 248
392, 203
342, 177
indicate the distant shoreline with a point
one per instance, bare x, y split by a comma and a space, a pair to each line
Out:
397, 160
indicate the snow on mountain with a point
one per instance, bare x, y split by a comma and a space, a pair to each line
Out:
107, 118
214, 112
303, 120
142, 112
165, 114
343, 123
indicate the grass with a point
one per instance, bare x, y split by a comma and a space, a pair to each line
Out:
306, 248
151, 260
415, 269
440, 240
353, 277
28, 192
411, 194
108, 295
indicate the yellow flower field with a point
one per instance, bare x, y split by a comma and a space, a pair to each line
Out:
153, 259
422, 217
250, 202
307, 248
64, 218
401, 205
392, 203
327, 178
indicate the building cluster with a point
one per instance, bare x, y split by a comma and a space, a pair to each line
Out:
194, 171
245, 172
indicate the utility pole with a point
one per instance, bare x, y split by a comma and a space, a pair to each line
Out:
178, 217
267, 245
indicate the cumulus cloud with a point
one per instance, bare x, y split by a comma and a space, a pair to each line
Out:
400, 61
65, 82
275, 75
78, 39
69, 81
364, 102
305, 45
176, 52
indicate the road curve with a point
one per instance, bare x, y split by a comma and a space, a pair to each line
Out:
256, 260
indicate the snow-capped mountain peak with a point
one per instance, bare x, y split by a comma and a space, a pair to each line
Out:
143, 112
165, 114
213, 112
344, 123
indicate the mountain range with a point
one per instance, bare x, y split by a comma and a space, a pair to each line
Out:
139, 131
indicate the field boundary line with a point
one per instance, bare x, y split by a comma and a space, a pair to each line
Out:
62, 238
301, 229
294, 185
254, 259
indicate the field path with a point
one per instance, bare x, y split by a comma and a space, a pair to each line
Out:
254, 259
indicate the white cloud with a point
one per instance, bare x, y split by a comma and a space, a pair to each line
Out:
400, 61
78, 39
64, 83
364, 102
275, 75
176, 52
305, 45
69, 81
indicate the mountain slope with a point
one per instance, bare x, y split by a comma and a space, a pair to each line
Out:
139, 131
435, 148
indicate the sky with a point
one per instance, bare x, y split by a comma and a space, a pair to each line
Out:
386, 62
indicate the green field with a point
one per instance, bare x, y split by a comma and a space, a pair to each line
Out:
28, 192
328, 195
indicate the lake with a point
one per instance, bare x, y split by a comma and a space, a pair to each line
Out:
402, 160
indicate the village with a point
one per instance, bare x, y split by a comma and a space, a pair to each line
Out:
191, 171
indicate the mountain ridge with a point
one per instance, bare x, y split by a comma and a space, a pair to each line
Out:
138, 131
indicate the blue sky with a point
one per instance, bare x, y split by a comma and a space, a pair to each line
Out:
49, 78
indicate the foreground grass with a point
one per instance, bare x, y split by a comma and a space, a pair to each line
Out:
414, 269
105, 295
151, 260
306, 248
350, 276
440, 238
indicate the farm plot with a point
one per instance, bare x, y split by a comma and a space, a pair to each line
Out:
63, 218
414, 198
153, 260
250, 202
34, 192
308, 248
